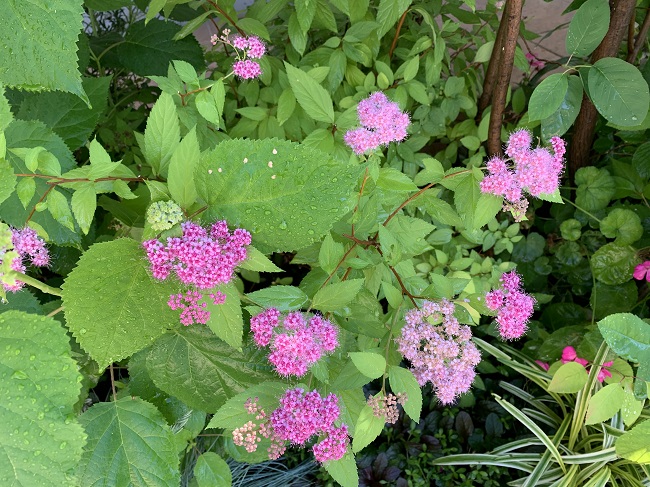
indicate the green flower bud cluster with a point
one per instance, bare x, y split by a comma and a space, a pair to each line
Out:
163, 215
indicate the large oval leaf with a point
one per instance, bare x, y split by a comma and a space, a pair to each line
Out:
634, 444
618, 91
587, 28
39, 385
287, 195
548, 96
561, 120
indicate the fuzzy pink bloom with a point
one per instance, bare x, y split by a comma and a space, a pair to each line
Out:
382, 122
239, 42
333, 446
296, 344
642, 271
192, 309
246, 69
439, 353
256, 48
515, 307
31, 249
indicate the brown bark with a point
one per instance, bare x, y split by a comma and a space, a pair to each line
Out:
583, 132
512, 17
640, 39
493, 66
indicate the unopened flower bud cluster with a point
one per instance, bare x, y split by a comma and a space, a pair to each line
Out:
386, 406
163, 215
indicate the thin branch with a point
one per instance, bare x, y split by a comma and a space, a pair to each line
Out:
31, 213
408, 200
399, 28
29, 280
640, 39
227, 17
55, 312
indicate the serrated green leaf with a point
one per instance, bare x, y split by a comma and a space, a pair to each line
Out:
569, 378
305, 11
6, 115
369, 364
619, 92
330, 254
198, 368
39, 46
129, 443
344, 471
391, 179
285, 194
487, 208
410, 233
182, 164
286, 106
604, 404
633, 444
254, 26
411, 68
466, 197
226, 319
257, 261
402, 380
84, 204
233, 414
206, 104
313, 98
389, 12
211, 470
284, 298
548, 96
40, 441
25, 190
393, 295
367, 429
587, 28
57, 205
297, 37
113, 305
432, 172
100, 162
335, 296
161, 137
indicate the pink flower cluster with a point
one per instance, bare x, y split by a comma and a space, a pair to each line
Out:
298, 418
534, 61
295, 345
30, 249
383, 122
535, 171
200, 260
569, 355
513, 305
642, 271
439, 349
247, 48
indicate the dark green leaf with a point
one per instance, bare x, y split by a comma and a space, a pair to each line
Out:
335, 296
548, 96
613, 263
587, 28
313, 98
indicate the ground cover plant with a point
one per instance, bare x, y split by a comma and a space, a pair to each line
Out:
329, 218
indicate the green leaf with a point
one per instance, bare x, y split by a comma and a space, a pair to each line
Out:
410, 233
487, 208
58, 206
596, 187
604, 404
129, 443
161, 137
198, 368
389, 12
633, 445
40, 440
411, 68
39, 46
627, 335
255, 27
100, 162
297, 37
257, 261
344, 471
233, 414
587, 28
432, 172
113, 306
623, 225
287, 204
618, 91
330, 254
180, 179
631, 409
84, 204
466, 198
641, 160
206, 104
614, 264
402, 380
313, 98
148, 49
305, 11
367, 429
369, 364
211, 470
391, 179
284, 298
26, 188
286, 106
68, 115
226, 319
559, 122
6, 115
335, 296
569, 378
548, 96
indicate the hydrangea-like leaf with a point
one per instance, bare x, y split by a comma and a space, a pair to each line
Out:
113, 306
198, 368
129, 443
287, 195
39, 385
39, 45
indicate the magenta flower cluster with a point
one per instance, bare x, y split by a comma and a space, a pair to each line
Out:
642, 271
200, 260
440, 349
247, 49
382, 122
535, 171
297, 343
569, 354
299, 417
514, 307
30, 249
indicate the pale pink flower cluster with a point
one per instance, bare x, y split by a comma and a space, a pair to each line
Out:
386, 406
514, 307
200, 260
30, 249
569, 354
535, 171
642, 271
296, 344
382, 122
299, 417
246, 49
440, 349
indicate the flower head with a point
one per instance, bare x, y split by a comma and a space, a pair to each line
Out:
246, 49
642, 271
569, 354
28, 248
514, 307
